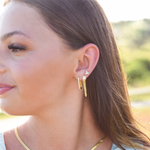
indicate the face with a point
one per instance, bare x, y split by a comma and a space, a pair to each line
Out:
33, 59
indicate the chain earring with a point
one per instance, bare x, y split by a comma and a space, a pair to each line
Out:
79, 83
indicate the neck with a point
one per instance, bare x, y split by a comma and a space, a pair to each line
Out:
67, 126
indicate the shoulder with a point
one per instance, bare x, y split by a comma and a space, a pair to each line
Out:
114, 147
2, 143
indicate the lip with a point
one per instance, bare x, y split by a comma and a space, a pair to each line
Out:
5, 88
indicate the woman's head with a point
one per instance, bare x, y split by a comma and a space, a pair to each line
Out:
76, 26
43, 63
38, 68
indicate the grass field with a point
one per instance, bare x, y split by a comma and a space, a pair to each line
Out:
4, 116
140, 97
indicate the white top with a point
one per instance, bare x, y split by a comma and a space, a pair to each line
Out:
114, 147
2, 144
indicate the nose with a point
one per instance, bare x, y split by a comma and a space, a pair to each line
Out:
2, 64
2, 68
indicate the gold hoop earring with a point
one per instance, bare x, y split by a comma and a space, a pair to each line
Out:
79, 83
84, 84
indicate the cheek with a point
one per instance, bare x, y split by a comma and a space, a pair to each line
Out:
33, 77
40, 77
37, 81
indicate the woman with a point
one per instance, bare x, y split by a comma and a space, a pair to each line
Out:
48, 48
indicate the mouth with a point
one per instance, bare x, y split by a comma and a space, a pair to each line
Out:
5, 88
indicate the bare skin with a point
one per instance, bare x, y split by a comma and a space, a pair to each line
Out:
44, 76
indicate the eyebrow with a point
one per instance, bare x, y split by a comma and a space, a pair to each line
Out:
8, 35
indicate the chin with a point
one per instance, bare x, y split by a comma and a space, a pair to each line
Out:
14, 113
10, 110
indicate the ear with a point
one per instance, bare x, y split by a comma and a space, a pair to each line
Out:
88, 57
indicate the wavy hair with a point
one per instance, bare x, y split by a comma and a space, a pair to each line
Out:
79, 22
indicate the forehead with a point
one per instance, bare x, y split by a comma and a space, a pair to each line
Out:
17, 16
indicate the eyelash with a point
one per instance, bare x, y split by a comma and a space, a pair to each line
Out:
14, 47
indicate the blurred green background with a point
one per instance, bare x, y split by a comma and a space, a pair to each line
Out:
133, 39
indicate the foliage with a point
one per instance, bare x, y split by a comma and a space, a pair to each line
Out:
133, 40
132, 33
140, 97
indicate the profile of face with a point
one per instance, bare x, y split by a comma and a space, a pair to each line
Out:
33, 59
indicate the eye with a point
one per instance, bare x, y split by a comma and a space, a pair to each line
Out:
16, 48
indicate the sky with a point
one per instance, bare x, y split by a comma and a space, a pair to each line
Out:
118, 10
122, 10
